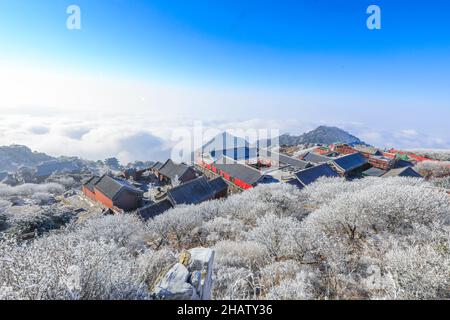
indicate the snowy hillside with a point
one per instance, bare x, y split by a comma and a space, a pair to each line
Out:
367, 239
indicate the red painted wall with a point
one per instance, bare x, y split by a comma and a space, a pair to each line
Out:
228, 177
88, 193
103, 199
242, 184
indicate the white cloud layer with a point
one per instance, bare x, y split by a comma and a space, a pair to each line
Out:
146, 138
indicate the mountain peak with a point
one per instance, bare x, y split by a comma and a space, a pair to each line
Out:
321, 135
224, 140
14, 156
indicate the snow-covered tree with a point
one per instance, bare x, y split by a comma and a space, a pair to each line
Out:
431, 169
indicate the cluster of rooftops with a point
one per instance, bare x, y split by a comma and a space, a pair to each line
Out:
216, 173
257, 165
185, 185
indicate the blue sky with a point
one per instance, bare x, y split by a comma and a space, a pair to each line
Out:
314, 61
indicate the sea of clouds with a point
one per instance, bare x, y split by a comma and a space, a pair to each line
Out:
147, 137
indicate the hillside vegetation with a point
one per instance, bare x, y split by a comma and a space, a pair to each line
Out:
366, 239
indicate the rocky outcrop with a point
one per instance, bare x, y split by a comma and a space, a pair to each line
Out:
189, 279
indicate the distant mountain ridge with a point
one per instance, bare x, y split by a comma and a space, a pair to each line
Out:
321, 135
15, 156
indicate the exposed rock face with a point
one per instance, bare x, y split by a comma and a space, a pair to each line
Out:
189, 279
175, 285
201, 266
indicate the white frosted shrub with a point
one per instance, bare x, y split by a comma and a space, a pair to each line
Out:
325, 190
26, 221
388, 206
276, 272
231, 283
246, 254
67, 267
433, 168
357, 227
281, 236
4, 205
29, 189
154, 264
222, 228
366, 239
67, 182
419, 271
178, 226
42, 198
442, 182
125, 230
298, 288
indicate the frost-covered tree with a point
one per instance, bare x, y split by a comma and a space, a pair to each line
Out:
242, 254
298, 288
222, 228
67, 267
442, 182
125, 230
29, 189
29, 221
335, 239
350, 231
43, 198
281, 236
431, 169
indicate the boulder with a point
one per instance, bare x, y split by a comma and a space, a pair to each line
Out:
202, 262
189, 279
175, 286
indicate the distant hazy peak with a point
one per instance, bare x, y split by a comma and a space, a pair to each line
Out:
321, 135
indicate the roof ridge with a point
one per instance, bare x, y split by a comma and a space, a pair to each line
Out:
188, 182
235, 162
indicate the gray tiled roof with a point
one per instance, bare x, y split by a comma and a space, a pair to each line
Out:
350, 162
374, 172
236, 170
238, 153
315, 158
402, 172
296, 163
111, 187
172, 170
368, 150
90, 183
310, 175
295, 183
192, 192
157, 165
154, 209
403, 163
218, 185
283, 159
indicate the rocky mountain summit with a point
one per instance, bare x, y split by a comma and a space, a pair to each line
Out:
321, 135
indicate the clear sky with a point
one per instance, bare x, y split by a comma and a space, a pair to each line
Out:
314, 62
